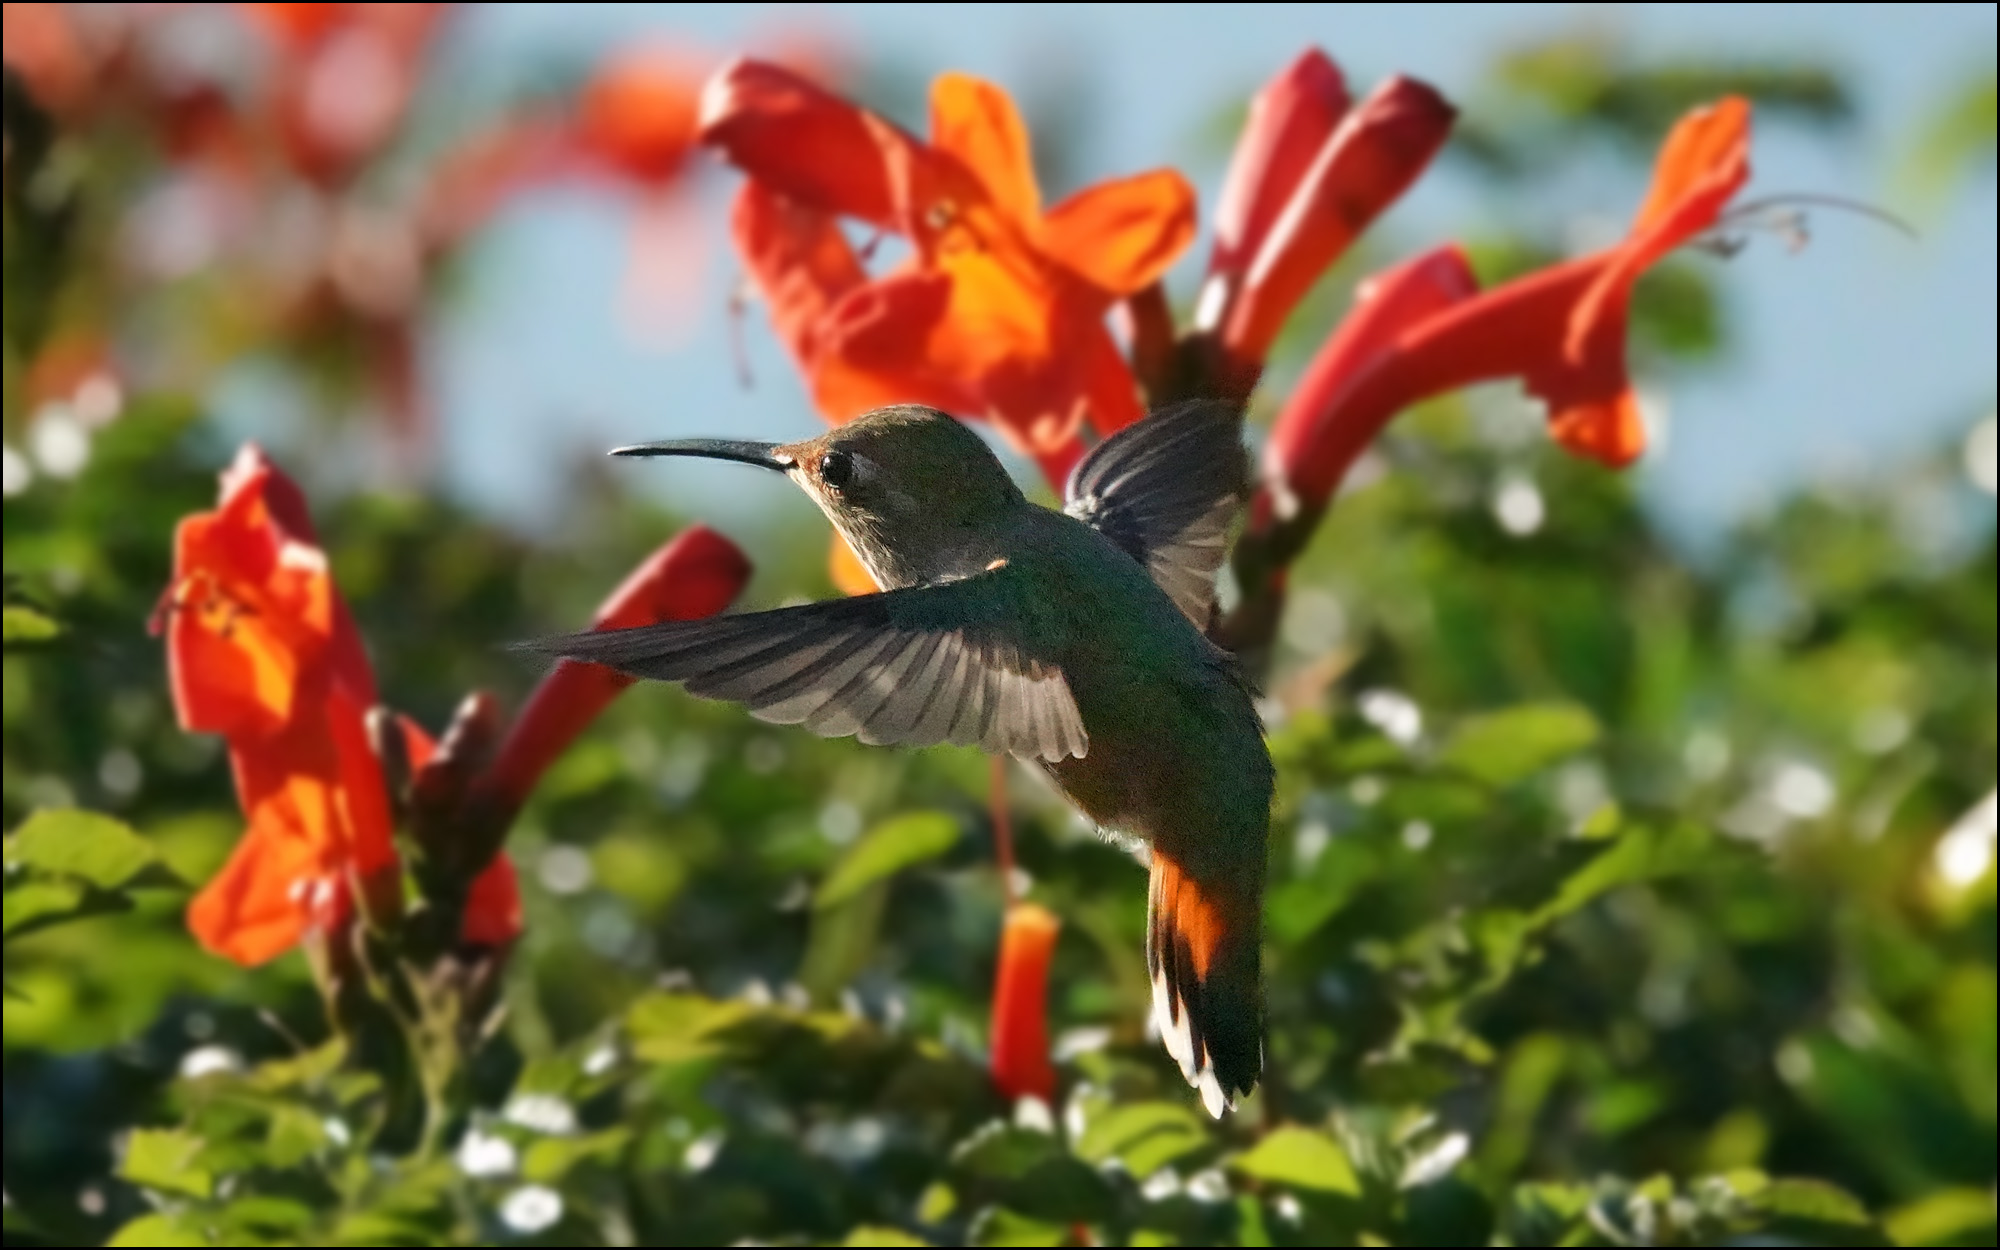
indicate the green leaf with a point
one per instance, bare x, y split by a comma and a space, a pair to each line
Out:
304, 1072
1949, 1218
1301, 906
1001, 1227
1002, 1152
157, 1230
937, 1204
295, 1136
842, 940
679, 1028
1506, 748
551, 1160
37, 905
878, 1235
1813, 1202
1640, 855
269, 1216
86, 846
24, 625
165, 1160
1145, 1137
887, 850
1301, 1158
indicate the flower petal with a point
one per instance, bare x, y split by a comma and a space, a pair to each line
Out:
1122, 236
255, 909
1611, 432
493, 906
1112, 392
318, 821
252, 608
801, 140
976, 121
879, 350
1367, 165
1703, 164
800, 262
1290, 120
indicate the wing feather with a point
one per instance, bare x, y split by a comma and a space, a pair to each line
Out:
1166, 490
957, 662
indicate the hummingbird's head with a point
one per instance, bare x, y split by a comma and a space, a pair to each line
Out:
914, 492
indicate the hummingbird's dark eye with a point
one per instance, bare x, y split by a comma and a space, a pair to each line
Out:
836, 470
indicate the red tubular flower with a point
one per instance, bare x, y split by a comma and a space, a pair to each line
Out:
1290, 121
262, 651
1424, 331
1021, 1065
998, 314
1310, 174
697, 574
1316, 439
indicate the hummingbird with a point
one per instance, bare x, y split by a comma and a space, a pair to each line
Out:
1072, 640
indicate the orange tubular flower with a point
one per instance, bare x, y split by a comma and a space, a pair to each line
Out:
999, 313
1309, 175
1422, 330
262, 651
1021, 1066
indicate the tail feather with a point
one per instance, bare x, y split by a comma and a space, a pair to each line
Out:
1203, 950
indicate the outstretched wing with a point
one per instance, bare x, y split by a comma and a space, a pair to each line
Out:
1166, 490
965, 662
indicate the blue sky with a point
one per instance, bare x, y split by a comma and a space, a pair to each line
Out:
1866, 346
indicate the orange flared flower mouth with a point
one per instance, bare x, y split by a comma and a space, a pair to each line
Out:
999, 310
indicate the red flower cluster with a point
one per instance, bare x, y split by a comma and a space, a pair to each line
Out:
1423, 329
263, 651
999, 311
1312, 171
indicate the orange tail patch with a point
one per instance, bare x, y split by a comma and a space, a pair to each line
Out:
1202, 949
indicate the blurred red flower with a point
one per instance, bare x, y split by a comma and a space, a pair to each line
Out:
262, 650
999, 311
42, 44
1311, 172
345, 77
1021, 1064
639, 113
1424, 329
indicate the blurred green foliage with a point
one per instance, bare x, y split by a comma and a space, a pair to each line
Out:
1615, 898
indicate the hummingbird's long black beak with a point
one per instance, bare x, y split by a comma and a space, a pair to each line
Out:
763, 455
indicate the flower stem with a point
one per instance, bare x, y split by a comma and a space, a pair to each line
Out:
1003, 828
